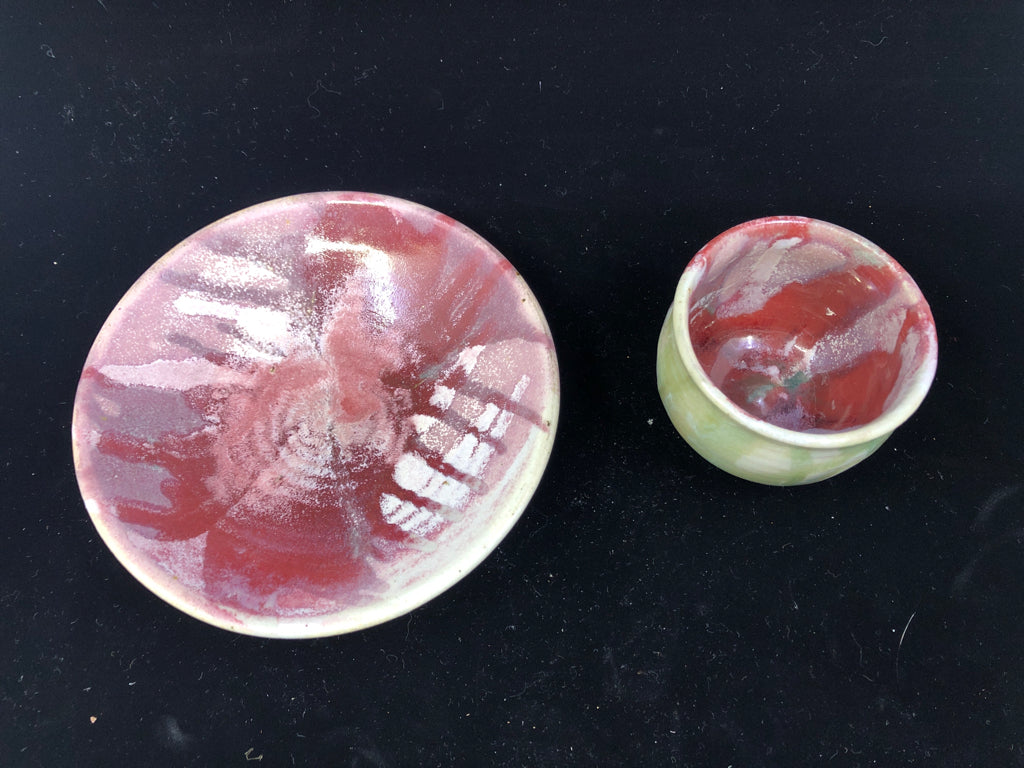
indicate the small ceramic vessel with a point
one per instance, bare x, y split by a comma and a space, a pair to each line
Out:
316, 414
793, 349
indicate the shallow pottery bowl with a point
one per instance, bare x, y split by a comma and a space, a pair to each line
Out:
793, 349
316, 414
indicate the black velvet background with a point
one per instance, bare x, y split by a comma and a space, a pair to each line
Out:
647, 609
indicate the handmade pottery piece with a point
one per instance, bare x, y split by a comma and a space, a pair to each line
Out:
793, 349
316, 414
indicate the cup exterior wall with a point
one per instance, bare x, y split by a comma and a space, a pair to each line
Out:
732, 446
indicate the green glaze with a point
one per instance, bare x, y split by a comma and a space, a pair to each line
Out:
724, 440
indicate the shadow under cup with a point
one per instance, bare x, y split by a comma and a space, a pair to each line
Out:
793, 349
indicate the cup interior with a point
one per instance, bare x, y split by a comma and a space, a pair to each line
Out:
809, 327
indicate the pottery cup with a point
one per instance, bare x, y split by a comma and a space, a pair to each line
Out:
793, 348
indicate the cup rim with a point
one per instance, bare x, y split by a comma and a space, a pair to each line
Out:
880, 427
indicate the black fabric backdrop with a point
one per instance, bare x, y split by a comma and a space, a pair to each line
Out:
648, 609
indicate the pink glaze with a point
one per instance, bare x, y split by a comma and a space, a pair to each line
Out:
309, 398
806, 325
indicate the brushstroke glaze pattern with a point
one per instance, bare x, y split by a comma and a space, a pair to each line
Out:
316, 414
793, 349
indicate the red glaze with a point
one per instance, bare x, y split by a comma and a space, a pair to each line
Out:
805, 325
309, 397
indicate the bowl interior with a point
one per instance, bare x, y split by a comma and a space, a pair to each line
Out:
315, 414
808, 326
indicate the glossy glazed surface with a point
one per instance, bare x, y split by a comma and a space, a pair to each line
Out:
792, 350
316, 414
736, 445
804, 326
